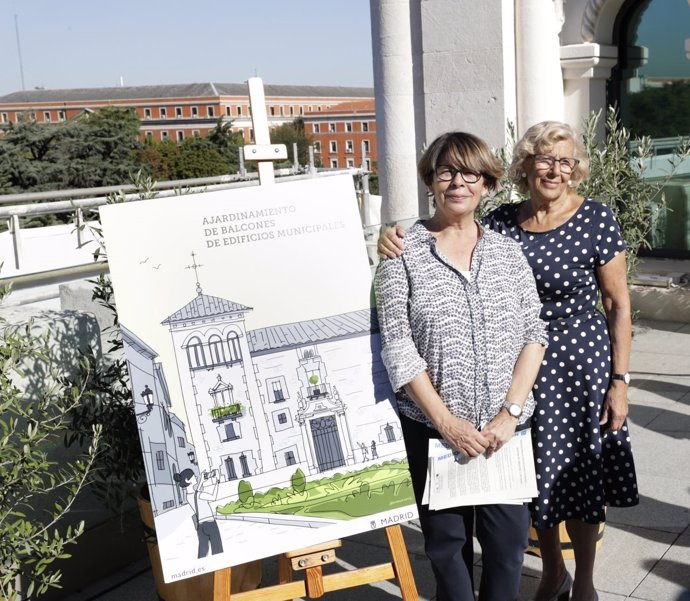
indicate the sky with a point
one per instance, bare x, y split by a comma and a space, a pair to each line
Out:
664, 29
80, 43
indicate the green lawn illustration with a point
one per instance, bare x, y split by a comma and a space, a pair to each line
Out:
376, 488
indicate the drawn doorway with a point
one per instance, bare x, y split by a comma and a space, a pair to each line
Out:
329, 453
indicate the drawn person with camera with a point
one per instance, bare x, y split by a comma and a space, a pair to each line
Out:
200, 493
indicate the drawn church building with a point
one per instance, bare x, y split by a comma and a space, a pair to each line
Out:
312, 395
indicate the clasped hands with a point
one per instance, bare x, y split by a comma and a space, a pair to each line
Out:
462, 436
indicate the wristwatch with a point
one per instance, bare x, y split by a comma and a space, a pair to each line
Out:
513, 408
624, 377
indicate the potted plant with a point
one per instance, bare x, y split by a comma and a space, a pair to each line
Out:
36, 491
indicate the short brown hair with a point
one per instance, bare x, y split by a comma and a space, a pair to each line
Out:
463, 150
540, 139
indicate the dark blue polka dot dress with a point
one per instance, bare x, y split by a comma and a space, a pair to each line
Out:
578, 471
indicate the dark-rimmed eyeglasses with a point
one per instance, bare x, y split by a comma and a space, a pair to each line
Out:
546, 161
446, 173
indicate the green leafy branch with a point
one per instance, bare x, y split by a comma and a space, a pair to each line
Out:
30, 426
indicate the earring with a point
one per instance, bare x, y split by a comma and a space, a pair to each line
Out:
523, 175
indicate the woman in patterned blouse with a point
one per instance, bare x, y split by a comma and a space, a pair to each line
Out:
462, 342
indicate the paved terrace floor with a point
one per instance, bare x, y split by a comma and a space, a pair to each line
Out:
645, 553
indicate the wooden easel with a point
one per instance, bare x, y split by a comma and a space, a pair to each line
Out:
310, 559
315, 584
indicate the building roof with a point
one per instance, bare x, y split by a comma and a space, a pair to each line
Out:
349, 107
187, 90
205, 306
312, 331
132, 340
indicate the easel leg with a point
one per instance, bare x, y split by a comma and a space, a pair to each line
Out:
221, 584
401, 563
314, 582
284, 569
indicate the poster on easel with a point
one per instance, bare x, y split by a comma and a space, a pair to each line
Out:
266, 418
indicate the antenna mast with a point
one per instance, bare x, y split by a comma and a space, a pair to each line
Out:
19, 50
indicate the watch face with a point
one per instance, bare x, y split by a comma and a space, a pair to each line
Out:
515, 410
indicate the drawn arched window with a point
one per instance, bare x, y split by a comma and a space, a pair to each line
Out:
234, 347
216, 350
230, 467
245, 466
390, 434
167, 424
195, 353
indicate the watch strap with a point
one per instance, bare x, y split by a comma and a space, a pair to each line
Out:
623, 377
509, 407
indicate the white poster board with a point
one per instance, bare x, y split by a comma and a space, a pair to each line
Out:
266, 419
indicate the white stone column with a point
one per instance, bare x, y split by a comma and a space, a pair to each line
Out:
395, 112
539, 77
468, 58
586, 67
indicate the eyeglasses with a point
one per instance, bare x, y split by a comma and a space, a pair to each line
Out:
446, 173
545, 161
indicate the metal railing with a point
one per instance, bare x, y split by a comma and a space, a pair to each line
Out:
84, 204
660, 146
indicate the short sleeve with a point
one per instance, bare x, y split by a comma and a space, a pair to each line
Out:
398, 351
608, 239
500, 220
534, 328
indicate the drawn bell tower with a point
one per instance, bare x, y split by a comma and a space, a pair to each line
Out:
217, 379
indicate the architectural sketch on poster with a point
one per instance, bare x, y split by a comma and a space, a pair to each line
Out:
287, 433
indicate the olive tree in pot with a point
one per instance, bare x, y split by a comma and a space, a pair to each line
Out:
37, 491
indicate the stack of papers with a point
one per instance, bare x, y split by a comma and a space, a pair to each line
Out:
506, 476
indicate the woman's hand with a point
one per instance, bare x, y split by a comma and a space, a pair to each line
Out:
460, 434
500, 430
390, 244
615, 408
463, 436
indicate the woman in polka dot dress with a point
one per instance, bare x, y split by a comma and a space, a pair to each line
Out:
582, 446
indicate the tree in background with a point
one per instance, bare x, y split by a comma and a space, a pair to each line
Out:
661, 112
31, 156
96, 149
192, 158
228, 143
102, 153
216, 154
290, 133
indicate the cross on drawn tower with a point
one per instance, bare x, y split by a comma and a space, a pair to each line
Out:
194, 266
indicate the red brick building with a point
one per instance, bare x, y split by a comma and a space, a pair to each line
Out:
178, 111
343, 133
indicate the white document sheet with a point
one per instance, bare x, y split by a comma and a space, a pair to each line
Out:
507, 476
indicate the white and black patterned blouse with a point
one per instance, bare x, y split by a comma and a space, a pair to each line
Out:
466, 333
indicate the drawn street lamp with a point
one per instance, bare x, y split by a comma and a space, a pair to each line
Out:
192, 457
147, 397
